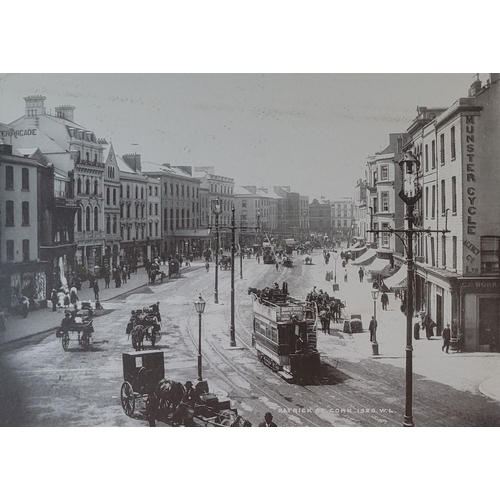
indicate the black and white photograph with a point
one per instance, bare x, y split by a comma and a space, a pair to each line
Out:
216, 221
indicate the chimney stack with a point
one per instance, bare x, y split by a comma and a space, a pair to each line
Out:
133, 160
65, 112
475, 87
35, 105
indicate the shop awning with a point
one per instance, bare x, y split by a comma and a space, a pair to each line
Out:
366, 258
397, 280
353, 247
379, 266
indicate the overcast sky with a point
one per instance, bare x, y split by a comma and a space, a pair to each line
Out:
310, 131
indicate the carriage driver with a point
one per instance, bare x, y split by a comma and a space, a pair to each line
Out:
67, 322
190, 396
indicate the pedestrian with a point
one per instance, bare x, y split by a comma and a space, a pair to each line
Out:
345, 275
124, 275
207, 265
106, 279
277, 266
73, 297
54, 299
446, 338
385, 301
361, 274
96, 291
66, 301
373, 329
416, 327
429, 325
268, 421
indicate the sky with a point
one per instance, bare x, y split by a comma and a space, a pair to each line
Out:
311, 132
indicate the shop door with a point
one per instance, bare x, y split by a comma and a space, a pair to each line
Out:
439, 314
489, 322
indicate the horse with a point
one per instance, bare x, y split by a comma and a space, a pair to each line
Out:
228, 418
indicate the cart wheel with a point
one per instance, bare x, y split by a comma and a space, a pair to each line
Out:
65, 341
128, 399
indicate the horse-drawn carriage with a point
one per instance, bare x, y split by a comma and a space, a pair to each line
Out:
287, 262
79, 329
225, 262
164, 400
174, 268
143, 325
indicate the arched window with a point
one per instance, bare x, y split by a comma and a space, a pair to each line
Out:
108, 224
87, 219
79, 186
87, 156
137, 191
128, 211
108, 196
87, 186
142, 193
114, 196
96, 186
96, 219
128, 191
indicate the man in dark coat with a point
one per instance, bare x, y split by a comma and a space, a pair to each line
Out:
446, 338
373, 329
268, 421
385, 300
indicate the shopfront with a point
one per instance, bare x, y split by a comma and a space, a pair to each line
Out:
480, 299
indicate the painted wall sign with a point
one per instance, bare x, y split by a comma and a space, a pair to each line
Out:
19, 133
470, 174
478, 286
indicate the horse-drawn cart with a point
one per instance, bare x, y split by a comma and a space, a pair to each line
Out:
144, 324
165, 400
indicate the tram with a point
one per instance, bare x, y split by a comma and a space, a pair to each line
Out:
284, 334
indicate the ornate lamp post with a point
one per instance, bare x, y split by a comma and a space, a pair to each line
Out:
335, 255
374, 335
410, 193
199, 305
216, 209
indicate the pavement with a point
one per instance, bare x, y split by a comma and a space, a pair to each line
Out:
45, 320
477, 372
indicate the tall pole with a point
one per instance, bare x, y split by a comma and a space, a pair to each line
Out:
199, 347
408, 418
216, 298
232, 342
241, 258
375, 317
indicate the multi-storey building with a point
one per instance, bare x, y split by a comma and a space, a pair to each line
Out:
385, 208
458, 272
289, 214
360, 222
111, 208
181, 205
133, 214
154, 217
223, 188
320, 214
342, 210
304, 217
36, 230
74, 151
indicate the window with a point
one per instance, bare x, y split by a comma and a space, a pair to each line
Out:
150, 209
96, 219
96, 187
156, 228
182, 190
87, 219
150, 190
177, 190
10, 250
433, 213
443, 250
375, 206
114, 224
443, 196
427, 202
385, 201
433, 252
171, 219
25, 180
128, 191
136, 192
182, 218
172, 188
79, 186
142, 197
108, 196
25, 213
385, 236
9, 213
453, 147
441, 148
426, 158
9, 177
156, 208
384, 172
454, 195
187, 219
454, 240
79, 220
150, 229
490, 255
375, 178
114, 197
87, 186
165, 219
156, 190
128, 210
26, 250
433, 153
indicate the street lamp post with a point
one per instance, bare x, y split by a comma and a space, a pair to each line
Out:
241, 249
410, 193
200, 308
374, 334
216, 210
232, 342
335, 257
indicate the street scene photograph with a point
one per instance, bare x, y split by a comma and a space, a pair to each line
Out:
249, 250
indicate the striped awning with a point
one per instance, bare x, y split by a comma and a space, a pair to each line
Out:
379, 266
398, 279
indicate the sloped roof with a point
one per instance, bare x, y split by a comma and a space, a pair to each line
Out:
149, 168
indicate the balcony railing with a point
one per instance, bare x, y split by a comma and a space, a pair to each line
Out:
90, 163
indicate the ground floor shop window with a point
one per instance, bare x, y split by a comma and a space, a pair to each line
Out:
490, 255
489, 316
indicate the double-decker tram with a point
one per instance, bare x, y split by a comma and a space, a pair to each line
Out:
284, 334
